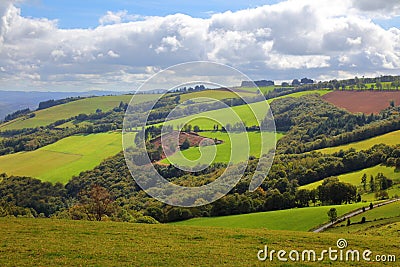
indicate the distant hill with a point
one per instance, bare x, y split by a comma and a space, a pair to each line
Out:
11, 101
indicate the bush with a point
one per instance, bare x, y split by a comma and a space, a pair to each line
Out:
146, 219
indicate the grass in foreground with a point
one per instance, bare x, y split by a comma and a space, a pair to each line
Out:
392, 138
85, 106
294, 219
58, 162
46, 242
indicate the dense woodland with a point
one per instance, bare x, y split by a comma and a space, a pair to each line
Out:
109, 191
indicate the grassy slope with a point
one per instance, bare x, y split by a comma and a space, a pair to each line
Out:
264, 89
355, 177
245, 112
392, 192
392, 138
215, 94
385, 216
381, 228
386, 211
223, 152
58, 162
293, 219
86, 106
46, 242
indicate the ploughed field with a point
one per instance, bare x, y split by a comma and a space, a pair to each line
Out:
363, 101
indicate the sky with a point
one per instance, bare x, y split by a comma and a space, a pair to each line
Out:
48, 45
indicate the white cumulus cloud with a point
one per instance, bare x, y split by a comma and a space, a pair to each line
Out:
291, 39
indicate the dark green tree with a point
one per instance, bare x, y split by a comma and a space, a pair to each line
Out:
332, 214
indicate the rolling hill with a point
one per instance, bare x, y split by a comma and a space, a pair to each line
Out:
378, 222
302, 219
215, 94
85, 106
245, 112
223, 151
58, 162
354, 178
392, 138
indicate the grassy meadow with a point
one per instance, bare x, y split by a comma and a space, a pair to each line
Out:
223, 151
389, 227
392, 138
394, 191
74, 108
386, 211
248, 114
302, 219
354, 178
215, 94
387, 216
58, 162
263, 89
47, 242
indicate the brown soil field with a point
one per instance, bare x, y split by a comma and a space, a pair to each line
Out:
363, 101
170, 145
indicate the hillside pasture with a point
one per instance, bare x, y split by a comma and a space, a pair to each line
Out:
392, 138
204, 154
248, 114
302, 219
84, 106
354, 178
60, 161
378, 222
216, 94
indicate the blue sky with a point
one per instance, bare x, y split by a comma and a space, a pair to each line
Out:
86, 13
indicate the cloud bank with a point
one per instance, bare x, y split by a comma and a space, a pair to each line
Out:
292, 39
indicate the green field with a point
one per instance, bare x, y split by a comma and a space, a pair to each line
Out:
394, 191
302, 219
392, 138
215, 94
46, 242
65, 111
248, 114
354, 178
263, 90
386, 211
223, 151
368, 85
376, 218
58, 162
382, 228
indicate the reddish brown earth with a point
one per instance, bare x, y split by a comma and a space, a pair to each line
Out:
169, 141
363, 101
